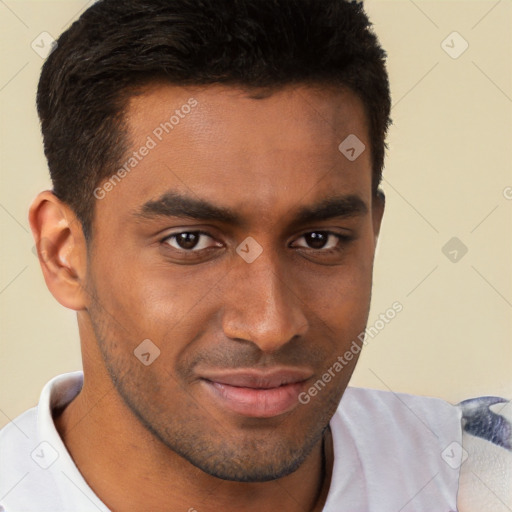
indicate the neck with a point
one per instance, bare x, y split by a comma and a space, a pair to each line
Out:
129, 469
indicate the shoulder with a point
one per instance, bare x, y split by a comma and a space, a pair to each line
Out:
16, 445
486, 473
392, 445
469, 445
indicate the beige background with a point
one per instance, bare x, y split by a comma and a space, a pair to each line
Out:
447, 173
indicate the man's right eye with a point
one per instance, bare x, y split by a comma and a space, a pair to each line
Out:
194, 241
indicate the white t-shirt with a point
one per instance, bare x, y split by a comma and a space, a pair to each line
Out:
392, 452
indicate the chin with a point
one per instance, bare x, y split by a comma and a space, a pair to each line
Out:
250, 473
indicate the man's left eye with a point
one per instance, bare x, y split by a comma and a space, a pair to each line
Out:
190, 241
321, 240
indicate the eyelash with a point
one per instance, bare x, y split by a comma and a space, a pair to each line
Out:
341, 239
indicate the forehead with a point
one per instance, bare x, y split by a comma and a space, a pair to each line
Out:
289, 117
224, 146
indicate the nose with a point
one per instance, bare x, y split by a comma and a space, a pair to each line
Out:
261, 305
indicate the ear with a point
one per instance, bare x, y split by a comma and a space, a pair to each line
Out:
378, 205
61, 249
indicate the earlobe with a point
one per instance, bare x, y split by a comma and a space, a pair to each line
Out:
61, 249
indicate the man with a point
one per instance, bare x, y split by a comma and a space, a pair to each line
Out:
213, 221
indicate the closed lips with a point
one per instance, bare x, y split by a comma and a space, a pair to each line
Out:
258, 380
256, 394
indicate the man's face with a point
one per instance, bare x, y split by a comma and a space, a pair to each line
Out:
241, 334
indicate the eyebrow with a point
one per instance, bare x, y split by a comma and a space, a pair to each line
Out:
173, 204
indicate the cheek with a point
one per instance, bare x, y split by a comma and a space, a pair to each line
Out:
161, 302
143, 296
340, 296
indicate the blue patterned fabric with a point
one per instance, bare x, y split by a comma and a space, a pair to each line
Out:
480, 421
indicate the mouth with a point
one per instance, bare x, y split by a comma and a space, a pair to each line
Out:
256, 394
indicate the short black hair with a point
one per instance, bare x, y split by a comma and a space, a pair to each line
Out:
117, 46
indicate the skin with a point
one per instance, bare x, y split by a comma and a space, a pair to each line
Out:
153, 437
